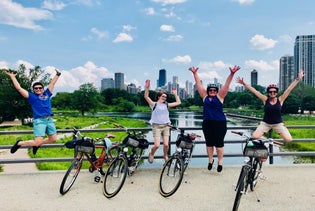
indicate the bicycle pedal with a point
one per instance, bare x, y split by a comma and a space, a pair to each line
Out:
97, 179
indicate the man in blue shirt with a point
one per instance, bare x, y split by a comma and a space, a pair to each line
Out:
42, 114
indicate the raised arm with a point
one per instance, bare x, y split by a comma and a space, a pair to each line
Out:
251, 89
201, 90
291, 87
225, 89
178, 102
17, 85
54, 80
146, 93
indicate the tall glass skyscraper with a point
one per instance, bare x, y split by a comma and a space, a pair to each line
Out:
254, 78
119, 81
304, 58
286, 73
162, 78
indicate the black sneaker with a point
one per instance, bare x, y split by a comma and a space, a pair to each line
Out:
219, 169
210, 165
15, 147
35, 150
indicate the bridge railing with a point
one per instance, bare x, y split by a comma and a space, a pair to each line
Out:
104, 131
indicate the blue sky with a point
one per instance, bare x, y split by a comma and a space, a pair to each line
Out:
92, 39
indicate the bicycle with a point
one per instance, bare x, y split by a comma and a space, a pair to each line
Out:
85, 147
256, 152
130, 153
173, 170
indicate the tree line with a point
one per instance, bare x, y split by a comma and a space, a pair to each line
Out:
88, 99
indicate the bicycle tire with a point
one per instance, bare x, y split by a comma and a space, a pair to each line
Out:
71, 175
241, 187
256, 171
171, 176
115, 176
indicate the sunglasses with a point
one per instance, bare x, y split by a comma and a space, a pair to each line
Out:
270, 92
212, 90
38, 88
164, 96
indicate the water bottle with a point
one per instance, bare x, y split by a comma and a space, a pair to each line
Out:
250, 143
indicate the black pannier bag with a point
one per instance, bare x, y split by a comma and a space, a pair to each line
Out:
184, 142
85, 145
258, 150
133, 141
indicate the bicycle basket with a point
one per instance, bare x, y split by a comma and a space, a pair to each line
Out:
85, 145
258, 150
184, 142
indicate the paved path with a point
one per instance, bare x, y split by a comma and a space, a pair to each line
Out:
287, 188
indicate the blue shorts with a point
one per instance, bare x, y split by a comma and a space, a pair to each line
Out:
43, 126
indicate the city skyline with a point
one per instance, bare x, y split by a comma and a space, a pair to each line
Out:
139, 38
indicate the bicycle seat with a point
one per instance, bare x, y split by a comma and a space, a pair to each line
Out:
110, 135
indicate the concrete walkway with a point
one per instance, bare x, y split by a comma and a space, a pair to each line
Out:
287, 188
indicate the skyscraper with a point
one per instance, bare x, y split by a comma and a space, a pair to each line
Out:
107, 83
286, 73
304, 58
119, 80
254, 78
162, 78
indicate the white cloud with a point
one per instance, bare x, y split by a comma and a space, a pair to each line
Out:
174, 38
260, 42
244, 1
99, 34
149, 11
166, 2
179, 59
3, 65
128, 27
168, 28
261, 65
15, 14
123, 37
53, 5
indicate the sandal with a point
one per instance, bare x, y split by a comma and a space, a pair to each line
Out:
150, 158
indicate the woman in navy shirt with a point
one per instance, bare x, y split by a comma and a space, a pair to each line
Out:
214, 120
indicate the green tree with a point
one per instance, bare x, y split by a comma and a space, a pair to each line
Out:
86, 98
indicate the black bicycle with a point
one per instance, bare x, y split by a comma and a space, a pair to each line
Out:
173, 170
255, 152
130, 153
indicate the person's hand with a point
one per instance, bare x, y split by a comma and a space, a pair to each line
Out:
234, 69
193, 69
9, 73
240, 80
174, 91
147, 84
301, 74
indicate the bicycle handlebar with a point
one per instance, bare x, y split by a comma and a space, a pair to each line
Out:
269, 140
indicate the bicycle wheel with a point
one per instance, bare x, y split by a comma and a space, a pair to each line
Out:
241, 187
71, 174
115, 176
171, 176
256, 171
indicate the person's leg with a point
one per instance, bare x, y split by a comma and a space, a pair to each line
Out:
165, 147
261, 130
220, 153
283, 132
210, 154
156, 138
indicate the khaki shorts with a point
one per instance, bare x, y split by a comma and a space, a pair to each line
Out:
279, 128
159, 130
